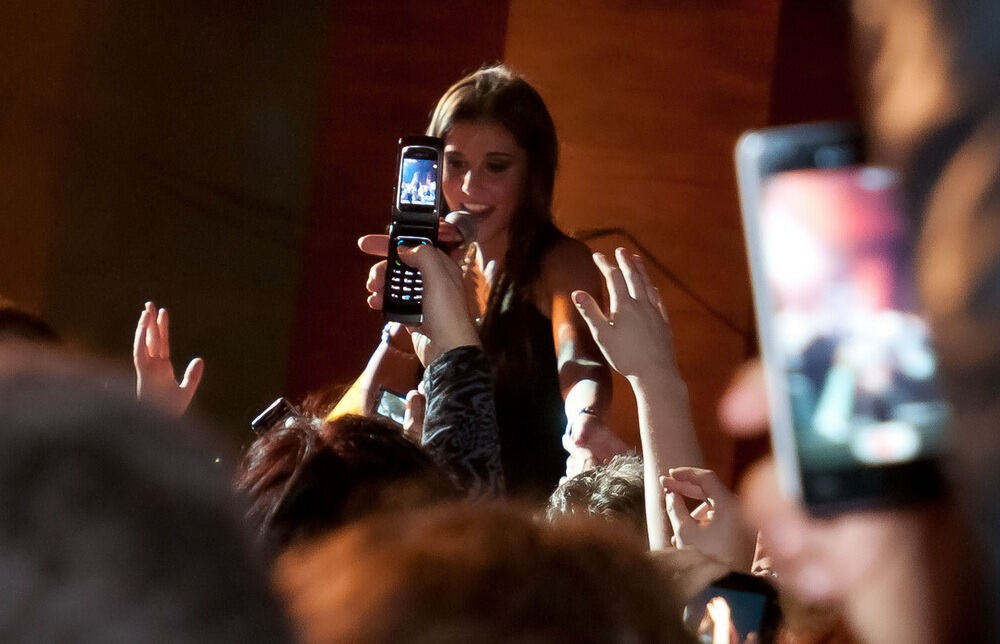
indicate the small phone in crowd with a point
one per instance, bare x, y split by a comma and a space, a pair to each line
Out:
277, 412
743, 607
417, 205
391, 405
856, 412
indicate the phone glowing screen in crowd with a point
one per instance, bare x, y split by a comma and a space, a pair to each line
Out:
392, 406
418, 182
744, 612
858, 362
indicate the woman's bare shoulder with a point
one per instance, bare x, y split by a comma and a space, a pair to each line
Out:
568, 265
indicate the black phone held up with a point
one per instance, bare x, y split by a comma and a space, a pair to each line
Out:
748, 603
856, 415
417, 204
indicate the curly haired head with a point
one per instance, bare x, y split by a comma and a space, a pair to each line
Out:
613, 491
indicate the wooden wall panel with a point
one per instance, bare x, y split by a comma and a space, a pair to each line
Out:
162, 152
39, 56
648, 99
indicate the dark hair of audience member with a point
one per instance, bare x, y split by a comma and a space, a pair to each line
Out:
613, 491
461, 573
18, 324
304, 477
320, 402
115, 524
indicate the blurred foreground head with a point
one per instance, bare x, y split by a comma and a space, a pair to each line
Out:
475, 574
304, 477
934, 109
115, 525
17, 324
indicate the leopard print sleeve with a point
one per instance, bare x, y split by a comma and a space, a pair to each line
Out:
460, 427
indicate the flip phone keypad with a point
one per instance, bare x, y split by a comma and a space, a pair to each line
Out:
405, 283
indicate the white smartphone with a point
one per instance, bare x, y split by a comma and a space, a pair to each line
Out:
857, 418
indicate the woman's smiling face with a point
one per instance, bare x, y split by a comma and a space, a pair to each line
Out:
484, 173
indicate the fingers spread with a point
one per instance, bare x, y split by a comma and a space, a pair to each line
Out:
591, 312
163, 324
646, 282
139, 343
374, 245
152, 332
629, 272
617, 289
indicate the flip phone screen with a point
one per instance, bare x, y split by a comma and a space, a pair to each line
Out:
418, 182
416, 208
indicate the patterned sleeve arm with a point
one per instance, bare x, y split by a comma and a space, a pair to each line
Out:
460, 427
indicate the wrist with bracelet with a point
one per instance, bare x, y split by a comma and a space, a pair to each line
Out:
387, 335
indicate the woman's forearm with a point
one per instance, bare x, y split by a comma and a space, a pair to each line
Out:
390, 366
668, 440
587, 395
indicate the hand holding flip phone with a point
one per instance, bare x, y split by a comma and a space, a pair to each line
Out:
856, 414
416, 207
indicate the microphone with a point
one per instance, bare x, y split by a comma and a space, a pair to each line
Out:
466, 225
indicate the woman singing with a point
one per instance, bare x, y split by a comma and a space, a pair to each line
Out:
500, 162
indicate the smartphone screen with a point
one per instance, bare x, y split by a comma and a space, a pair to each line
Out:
858, 367
418, 180
391, 405
741, 607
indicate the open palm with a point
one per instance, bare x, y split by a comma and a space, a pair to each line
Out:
155, 378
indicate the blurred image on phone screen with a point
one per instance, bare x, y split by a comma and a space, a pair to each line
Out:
859, 366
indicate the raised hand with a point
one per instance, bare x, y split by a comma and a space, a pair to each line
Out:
635, 336
155, 379
715, 527
636, 340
